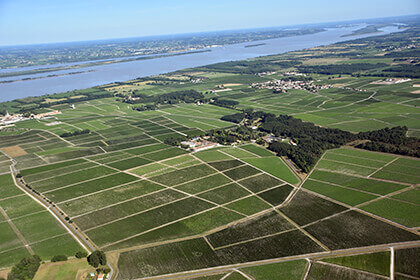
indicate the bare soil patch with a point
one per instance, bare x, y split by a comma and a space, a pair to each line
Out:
14, 151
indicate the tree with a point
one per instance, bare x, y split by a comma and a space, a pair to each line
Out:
59, 258
97, 258
81, 255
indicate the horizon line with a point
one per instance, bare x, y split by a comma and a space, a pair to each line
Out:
203, 32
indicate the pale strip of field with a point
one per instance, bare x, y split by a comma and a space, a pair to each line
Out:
14, 151
232, 85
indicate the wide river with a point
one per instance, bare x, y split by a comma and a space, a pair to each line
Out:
123, 71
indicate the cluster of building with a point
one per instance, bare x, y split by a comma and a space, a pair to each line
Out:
197, 144
197, 80
279, 86
400, 48
8, 119
271, 138
97, 276
262, 74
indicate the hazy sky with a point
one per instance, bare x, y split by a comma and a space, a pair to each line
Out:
44, 21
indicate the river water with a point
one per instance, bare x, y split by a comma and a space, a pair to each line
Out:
123, 71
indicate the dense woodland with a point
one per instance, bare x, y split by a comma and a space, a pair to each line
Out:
312, 141
224, 103
391, 140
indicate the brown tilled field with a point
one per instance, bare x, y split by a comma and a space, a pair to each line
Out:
14, 151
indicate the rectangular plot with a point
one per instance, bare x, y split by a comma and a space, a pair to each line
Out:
414, 163
359, 161
178, 160
291, 243
123, 146
183, 175
90, 187
107, 156
323, 271
260, 183
353, 229
162, 137
277, 195
403, 169
58, 171
164, 154
407, 261
147, 149
113, 157
60, 245
274, 166
249, 205
364, 184
239, 153
348, 196
190, 226
212, 155
378, 263
241, 172
108, 197
204, 184
226, 164
139, 223
263, 225
127, 208
19, 206
7, 186
291, 270
397, 177
170, 258
258, 150
306, 208
44, 168
38, 226
225, 194
160, 131
8, 237
129, 163
364, 154
345, 168
412, 195
72, 154
149, 168
72, 178
403, 213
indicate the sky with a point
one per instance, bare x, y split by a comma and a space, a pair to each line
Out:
48, 21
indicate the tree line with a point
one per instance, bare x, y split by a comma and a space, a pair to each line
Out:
75, 133
184, 96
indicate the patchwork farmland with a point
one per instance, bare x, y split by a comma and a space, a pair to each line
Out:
107, 174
